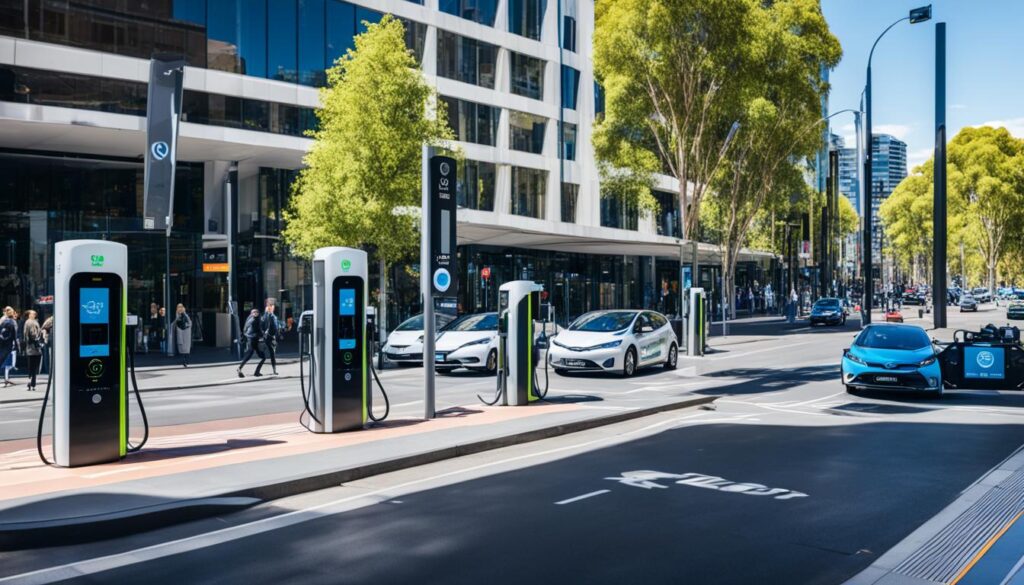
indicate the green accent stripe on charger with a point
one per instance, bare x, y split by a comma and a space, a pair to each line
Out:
123, 428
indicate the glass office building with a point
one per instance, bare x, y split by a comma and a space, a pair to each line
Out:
522, 100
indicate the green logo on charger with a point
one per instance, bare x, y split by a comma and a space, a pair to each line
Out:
97, 260
345, 265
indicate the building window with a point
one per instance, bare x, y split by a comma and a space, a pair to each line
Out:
568, 141
473, 122
527, 132
570, 87
570, 193
615, 213
667, 217
467, 60
482, 11
312, 42
475, 187
527, 76
528, 188
526, 17
598, 100
282, 46
569, 33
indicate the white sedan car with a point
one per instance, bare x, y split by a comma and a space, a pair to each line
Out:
471, 342
405, 344
615, 341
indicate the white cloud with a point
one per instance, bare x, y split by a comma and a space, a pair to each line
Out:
1014, 125
918, 157
900, 131
849, 133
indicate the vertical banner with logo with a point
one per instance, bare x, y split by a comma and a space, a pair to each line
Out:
163, 109
442, 226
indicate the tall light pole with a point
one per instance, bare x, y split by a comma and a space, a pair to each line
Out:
939, 216
916, 15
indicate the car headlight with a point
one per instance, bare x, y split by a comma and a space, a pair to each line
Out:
559, 344
855, 359
608, 345
927, 362
475, 342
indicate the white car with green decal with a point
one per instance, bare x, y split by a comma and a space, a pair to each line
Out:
614, 341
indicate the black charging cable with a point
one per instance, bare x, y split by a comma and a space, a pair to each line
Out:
42, 411
387, 403
138, 399
547, 381
312, 378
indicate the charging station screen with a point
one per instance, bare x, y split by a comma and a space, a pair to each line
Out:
94, 322
347, 318
984, 363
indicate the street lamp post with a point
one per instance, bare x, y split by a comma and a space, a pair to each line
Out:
916, 15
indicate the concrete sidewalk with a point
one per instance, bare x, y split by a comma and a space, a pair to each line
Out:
188, 471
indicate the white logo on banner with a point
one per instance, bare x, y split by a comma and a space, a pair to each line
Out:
160, 150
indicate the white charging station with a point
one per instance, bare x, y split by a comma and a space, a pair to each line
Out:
696, 323
340, 397
519, 306
90, 395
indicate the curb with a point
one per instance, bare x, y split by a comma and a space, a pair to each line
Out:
60, 532
226, 382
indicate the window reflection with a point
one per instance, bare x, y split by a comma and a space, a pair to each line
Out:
570, 193
475, 187
527, 76
527, 132
473, 122
526, 17
528, 188
570, 87
568, 141
467, 60
482, 11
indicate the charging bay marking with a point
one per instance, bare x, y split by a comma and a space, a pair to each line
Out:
647, 480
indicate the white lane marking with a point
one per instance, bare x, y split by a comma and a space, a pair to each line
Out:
223, 535
744, 354
583, 497
406, 404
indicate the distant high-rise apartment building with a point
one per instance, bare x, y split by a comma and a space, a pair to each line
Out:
888, 168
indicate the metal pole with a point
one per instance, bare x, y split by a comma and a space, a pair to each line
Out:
425, 290
168, 311
869, 286
939, 216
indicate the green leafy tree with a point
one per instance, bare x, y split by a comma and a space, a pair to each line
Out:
669, 69
361, 183
780, 116
907, 219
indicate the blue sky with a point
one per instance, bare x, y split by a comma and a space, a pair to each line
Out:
984, 67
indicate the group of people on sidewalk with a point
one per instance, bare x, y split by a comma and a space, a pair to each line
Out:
260, 334
153, 333
27, 339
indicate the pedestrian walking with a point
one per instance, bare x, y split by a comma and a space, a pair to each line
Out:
250, 331
161, 329
8, 343
183, 334
152, 328
269, 330
32, 346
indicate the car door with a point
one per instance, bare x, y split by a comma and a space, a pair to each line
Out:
649, 341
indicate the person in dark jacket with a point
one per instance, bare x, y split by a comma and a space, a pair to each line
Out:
32, 346
250, 331
268, 331
8, 343
183, 334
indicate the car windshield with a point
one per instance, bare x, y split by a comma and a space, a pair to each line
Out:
893, 337
980, 291
413, 324
478, 322
827, 304
603, 321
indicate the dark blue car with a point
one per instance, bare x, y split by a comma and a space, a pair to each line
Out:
828, 311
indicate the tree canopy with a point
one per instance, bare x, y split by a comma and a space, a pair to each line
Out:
362, 175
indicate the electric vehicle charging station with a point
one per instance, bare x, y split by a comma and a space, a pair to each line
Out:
335, 333
519, 306
696, 323
89, 332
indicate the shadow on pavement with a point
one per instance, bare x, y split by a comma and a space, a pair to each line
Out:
161, 453
573, 398
760, 380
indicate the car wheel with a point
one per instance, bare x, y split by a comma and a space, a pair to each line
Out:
673, 358
492, 362
629, 363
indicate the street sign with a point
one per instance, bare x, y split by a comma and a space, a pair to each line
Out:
442, 226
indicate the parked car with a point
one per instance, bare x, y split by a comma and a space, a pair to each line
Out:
827, 311
982, 295
1015, 310
968, 303
913, 298
405, 344
471, 342
614, 341
889, 356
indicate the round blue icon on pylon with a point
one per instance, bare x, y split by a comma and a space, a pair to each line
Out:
160, 150
442, 279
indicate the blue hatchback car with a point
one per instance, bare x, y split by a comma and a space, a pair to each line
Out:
891, 356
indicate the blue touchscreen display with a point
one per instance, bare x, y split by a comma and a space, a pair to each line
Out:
94, 322
984, 363
346, 324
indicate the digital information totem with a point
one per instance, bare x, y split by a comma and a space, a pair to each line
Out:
518, 307
90, 395
341, 399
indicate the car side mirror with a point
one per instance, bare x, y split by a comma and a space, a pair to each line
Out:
846, 350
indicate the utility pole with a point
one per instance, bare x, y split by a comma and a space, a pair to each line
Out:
939, 215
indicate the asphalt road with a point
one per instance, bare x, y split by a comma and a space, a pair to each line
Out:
789, 480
